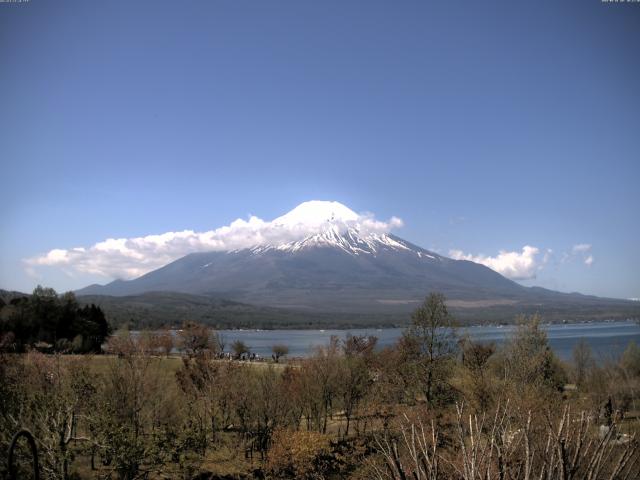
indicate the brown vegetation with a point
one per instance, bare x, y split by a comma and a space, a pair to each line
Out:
433, 406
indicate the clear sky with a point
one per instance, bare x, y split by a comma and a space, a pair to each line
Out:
484, 126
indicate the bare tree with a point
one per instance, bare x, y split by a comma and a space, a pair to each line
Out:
353, 382
582, 361
279, 351
430, 341
166, 342
196, 338
508, 446
476, 378
413, 455
239, 348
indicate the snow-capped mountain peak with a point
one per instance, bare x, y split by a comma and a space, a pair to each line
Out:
330, 224
316, 213
349, 240
319, 223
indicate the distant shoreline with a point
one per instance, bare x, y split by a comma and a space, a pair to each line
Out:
605, 337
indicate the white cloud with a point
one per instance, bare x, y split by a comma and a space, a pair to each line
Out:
514, 265
131, 257
581, 248
524, 265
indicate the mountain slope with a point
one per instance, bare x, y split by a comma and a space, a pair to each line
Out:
340, 263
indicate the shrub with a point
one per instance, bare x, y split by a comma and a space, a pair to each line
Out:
296, 454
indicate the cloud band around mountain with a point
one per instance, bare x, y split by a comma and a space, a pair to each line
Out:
127, 258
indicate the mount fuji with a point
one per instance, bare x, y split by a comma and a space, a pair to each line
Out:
330, 259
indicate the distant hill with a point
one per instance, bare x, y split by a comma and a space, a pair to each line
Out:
155, 309
7, 295
171, 309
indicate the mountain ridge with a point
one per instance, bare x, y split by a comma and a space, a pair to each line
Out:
340, 262
309, 283
325, 261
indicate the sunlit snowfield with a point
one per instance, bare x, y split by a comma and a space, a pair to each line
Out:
607, 339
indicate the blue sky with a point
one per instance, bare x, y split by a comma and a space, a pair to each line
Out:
484, 126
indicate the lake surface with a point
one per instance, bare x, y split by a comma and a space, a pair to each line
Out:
607, 339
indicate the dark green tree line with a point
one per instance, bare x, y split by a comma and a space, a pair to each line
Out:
53, 322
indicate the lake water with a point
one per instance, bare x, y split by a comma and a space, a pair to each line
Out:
607, 339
